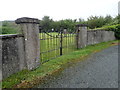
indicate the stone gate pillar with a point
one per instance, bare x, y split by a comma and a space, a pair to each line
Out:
81, 38
30, 30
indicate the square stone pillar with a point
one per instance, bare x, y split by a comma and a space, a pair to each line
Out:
30, 30
81, 35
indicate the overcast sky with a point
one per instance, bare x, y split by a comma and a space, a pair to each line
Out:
57, 9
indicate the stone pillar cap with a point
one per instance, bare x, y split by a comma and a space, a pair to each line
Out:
27, 20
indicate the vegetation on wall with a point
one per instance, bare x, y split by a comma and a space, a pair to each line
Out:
115, 28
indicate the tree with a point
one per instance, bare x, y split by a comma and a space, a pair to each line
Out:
118, 18
81, 20
46, 22
95, 21
108, 19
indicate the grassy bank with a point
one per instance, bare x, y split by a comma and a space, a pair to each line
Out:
28, 79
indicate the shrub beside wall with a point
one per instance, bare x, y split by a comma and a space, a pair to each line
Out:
115, 28
117, 32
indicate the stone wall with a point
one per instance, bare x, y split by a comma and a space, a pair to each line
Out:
98, 36
12, 54
20, 51
89, 37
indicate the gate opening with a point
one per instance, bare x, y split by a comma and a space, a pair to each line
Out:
54, 43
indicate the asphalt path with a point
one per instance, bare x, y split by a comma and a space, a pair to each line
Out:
100, 70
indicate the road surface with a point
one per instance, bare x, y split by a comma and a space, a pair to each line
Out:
98, 71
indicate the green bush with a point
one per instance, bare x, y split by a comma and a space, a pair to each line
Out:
117, 32
110, 28
0, 30
9, 27
9, 30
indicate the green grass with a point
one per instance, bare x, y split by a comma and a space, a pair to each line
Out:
27, 79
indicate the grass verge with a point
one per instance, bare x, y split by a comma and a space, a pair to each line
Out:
29, 79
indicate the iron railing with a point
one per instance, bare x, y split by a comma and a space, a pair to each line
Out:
54, 43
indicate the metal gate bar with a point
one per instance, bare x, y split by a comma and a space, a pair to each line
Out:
54, 43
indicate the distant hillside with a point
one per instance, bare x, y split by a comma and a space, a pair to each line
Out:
9, 27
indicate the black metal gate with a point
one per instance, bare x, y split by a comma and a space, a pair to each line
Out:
54, 43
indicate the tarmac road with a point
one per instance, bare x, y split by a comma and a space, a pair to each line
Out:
98, 71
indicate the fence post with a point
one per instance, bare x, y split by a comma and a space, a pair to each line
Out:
81, 38
61, 40
30, 30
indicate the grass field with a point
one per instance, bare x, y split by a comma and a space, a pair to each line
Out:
50, 45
